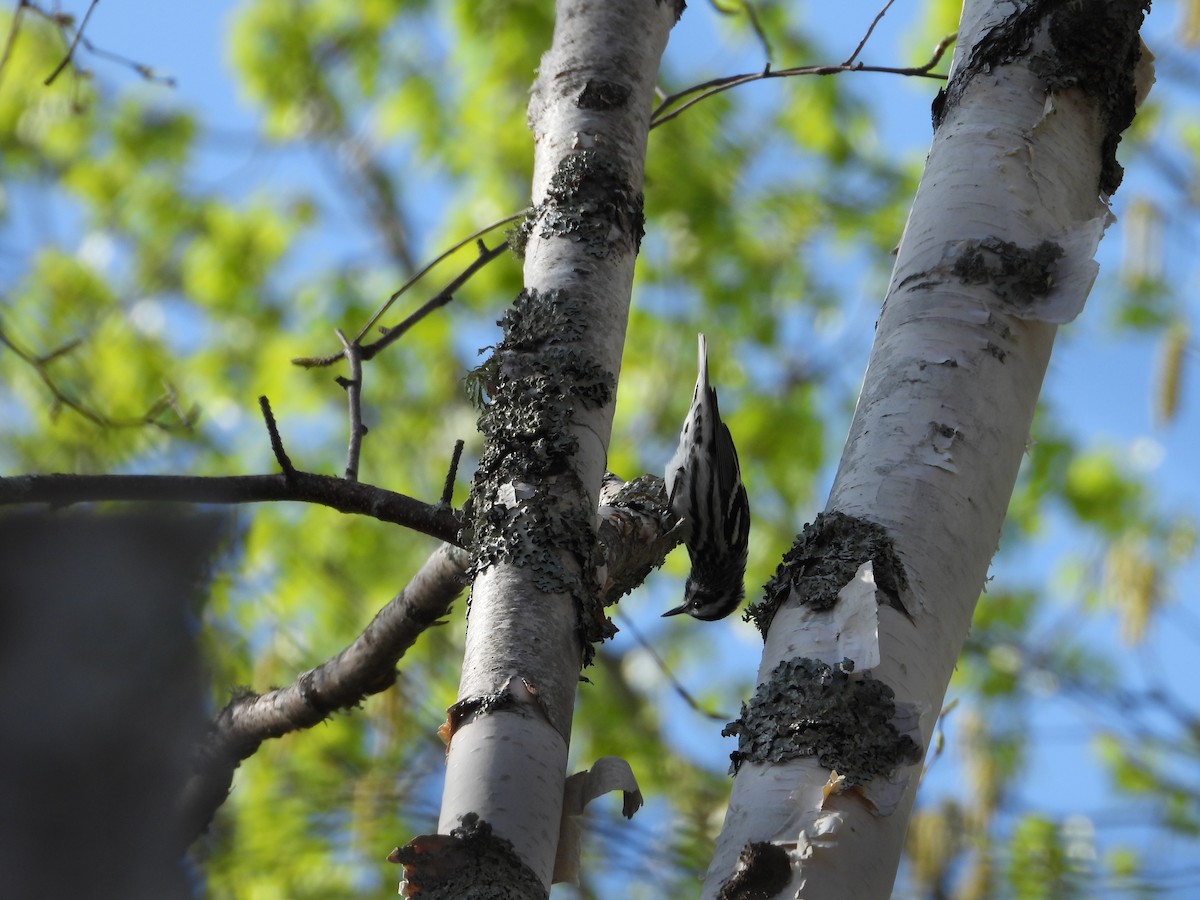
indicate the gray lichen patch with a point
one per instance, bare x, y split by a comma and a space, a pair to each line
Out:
589, 201
1097, 49
808, 708
470, 863
520, 510
1091, 46
823, 559
1020, 276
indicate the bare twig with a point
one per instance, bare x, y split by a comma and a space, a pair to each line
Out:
141, 69
938, 740
12, 35
365, 174
310, 362
752, 15
449, 251
448, 487
353, 387
719, 85
54, 354
74, 43
627, 625
306, 487
75, 39
755, 24
391, 335
870, 30
41, 366
289, 471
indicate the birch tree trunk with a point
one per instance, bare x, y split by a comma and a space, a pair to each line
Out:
535, 610
868, 612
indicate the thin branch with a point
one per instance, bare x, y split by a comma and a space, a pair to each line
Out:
63, 22
54, 354
938, 739
364, 174
40, 365
289, 471
870, 30
12, 35
719, 85
676, 685
752, 15
336, 493
448, 487
755, 24
140, 68
429, 265
391, 335
353, 387
76, 39
367, 666
74, 43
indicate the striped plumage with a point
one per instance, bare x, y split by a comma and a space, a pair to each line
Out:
704, 484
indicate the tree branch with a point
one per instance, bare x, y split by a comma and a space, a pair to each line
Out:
719, 85
449, 251
74, 43
281, 457
74, 38
9, 41
634, 538
448, 487
870, 30
391, 335
367, 666
353, 386
336, 493
676, 685
41, 367
752, 15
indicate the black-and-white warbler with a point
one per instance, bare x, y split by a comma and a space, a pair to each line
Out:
704, 484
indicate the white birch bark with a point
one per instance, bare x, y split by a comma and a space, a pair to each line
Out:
936, 440
590, 107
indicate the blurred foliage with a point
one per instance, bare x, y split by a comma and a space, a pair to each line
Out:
136, 282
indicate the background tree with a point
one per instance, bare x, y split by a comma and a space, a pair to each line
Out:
134, 232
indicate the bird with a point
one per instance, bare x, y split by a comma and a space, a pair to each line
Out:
705, 491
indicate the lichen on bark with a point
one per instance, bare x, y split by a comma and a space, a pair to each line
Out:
809, 708
531, 388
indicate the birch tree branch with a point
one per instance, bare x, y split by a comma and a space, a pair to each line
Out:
353, 388
391, 335
634, 539
306, 487
367, 666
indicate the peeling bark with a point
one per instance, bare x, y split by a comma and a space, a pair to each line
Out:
535, 608
997, 252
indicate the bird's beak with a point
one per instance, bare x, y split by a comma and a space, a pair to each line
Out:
676, 611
